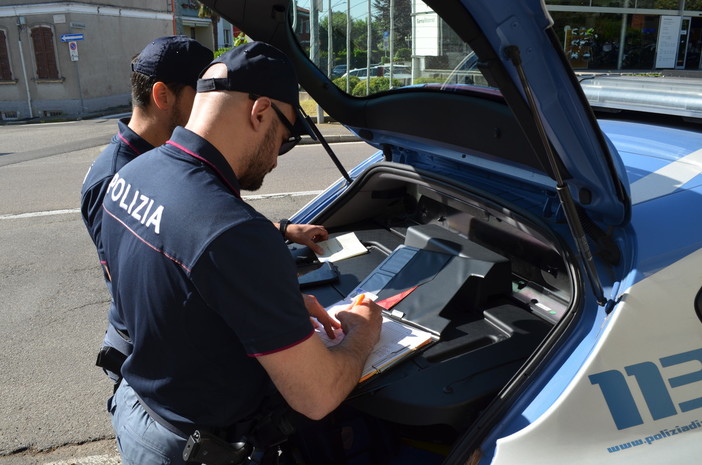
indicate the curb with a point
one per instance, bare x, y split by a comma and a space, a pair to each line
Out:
331, 139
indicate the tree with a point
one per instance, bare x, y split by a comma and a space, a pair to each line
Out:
402, 19
205, 12
359, 32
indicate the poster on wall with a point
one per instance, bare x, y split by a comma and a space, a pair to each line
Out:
668, 40
578, 42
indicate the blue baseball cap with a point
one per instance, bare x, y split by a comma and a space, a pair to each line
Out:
259, 69
173, 59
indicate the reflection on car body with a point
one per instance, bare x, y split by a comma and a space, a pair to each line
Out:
401, 72
559, 245
338, 70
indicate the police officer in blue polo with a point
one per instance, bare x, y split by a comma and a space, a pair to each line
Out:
163, 81
205, 284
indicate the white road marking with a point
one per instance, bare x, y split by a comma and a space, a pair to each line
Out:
90, 460
35, 214
77, 210
280, 195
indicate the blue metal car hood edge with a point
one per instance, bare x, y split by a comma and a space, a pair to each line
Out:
595, 174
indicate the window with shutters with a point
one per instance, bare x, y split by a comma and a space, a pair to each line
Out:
44, 52
5, 70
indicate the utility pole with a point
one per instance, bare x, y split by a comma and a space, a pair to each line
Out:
177, 20
392, 38
21, 25
368, 47
330, 46
348, 44
314, 43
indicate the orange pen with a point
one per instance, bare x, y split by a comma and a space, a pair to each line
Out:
357, 301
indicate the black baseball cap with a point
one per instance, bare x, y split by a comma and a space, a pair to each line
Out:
259, 69
173, 59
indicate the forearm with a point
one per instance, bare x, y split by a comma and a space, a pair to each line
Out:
351, 355
314, 380
354, 350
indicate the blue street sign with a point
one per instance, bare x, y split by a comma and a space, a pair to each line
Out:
71, 37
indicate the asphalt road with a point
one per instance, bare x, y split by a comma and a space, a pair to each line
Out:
52, 298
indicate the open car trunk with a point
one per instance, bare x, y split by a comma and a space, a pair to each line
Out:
491, 283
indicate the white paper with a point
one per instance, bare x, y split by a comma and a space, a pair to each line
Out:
341, 247
396, 339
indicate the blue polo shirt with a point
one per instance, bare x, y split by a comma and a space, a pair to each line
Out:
124, 147
204, 282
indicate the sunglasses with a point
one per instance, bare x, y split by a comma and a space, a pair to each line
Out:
294, 137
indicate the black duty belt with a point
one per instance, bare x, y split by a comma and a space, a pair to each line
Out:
115, 350
110, 359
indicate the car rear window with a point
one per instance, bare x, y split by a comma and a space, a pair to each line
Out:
415, 47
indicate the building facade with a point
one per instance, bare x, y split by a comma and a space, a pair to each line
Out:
188, 23
72, 58
629, 34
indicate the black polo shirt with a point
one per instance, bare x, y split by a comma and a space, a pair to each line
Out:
205, 284
124, 147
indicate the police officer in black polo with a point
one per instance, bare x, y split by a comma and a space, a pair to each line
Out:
205, 284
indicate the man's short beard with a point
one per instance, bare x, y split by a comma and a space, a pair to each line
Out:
258, 168
176, 117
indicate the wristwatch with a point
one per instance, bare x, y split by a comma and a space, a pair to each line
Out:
283, 226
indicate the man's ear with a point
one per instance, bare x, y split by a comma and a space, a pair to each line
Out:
258, 112
162, 96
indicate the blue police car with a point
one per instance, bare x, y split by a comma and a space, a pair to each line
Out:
553, 250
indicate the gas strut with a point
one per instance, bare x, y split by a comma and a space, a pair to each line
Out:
564, 195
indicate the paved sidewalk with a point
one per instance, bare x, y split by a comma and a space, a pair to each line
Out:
331, 131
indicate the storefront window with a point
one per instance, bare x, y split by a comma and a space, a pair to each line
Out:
593, 40
614, 3
589, 40
658, 4
568, 2
693, 5
640, 42
689, 5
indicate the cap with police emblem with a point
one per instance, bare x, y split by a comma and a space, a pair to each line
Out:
259, 69
173, 59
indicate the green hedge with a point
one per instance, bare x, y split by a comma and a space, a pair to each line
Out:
340, 82
358, 86
220, 51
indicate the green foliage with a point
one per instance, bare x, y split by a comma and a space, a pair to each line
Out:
359, 59
666, 4
427, 80
340, 82
204, 11
220, 51
403, 54
377, 84
359, 32
240, 39
358, 86
402, 19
